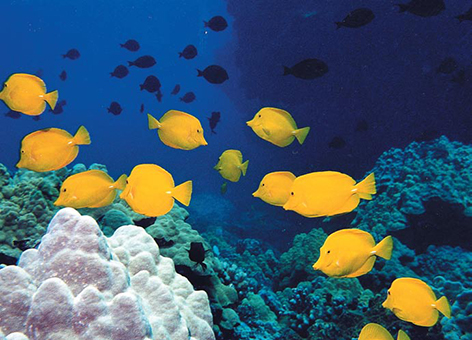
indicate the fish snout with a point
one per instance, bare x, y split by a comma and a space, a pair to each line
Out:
250, 123
316, 265
255, 193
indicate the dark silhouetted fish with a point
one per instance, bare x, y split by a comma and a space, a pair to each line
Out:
159, 96
214, 119
59, 107
423, 8
13, 114
8, 260
189, 52
36, 118
176, 89
120, 72
131, 45
141, 109
145, 222
197, 254
362, 126
216, 24
21, 244
188, 97
72, 54
357, 18
307, 69
115, 108
337, 143
143, 62
447, 66
151, 84
63, 75
224, 188
466, 16
214, 74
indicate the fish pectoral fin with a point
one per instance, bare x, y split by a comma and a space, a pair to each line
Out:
338, 264
267, 132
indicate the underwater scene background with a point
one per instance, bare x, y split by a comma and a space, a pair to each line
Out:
393, 98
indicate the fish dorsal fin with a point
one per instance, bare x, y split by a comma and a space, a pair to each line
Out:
285, 114
420, 284
98, 174
373, 331
31, 77
286, 174
174, 113
237, 153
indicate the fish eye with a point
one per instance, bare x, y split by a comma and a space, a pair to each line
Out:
198, 131
263, 184
22, 151
291, 193
388, 292
127, 182
64, 190
260, 116
329, 251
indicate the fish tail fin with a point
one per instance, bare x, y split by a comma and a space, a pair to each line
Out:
443, 306
52, 98
82, 136
130, 63
301, 134
153, 123
183, 193
122, 45
205, 24
120, 183
200, 73
384, 248
112, 74
243, 167
141, 87
402, 7
287, 70
338, 25
402, 335
366, 188
64, 56
180, 54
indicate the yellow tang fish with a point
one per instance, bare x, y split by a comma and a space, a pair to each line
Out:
277, 126
230, 165
328, 193
89, 189
26, 93
150, 190
275, 188
351, 253
414, 301
373, 331
51, 149
178, 130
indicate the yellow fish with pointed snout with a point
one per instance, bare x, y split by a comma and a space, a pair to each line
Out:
351, 253
151, 191
373, 331
275, 188
89, 189
230, 165
26, 93
414, 301
178, 130
51, 149
277, 126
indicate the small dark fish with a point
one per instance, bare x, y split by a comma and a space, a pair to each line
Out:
188, 97
362, 126
21, 244
59, 107
143, 62
151, 84
224, 188
8, 260
115, 108
447, 66
36, 118
142, 108
145, 222
214, 119
176, 89
120, 72
63, 75
131, 45
423, 8
189, 52
307, 69
217, 23
357, 18
214, 74
159, 96
13, 114
72, 54
466, 16
337, 143
197, 254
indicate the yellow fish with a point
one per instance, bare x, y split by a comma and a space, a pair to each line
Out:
277, 126
178, 130
89, 189
275, 188
150, 190
414, 301
328, 193
230, 165
351, 253
373, 331
51, 149
26, 93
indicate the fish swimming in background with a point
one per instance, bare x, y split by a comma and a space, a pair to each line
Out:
412, 300
337, 143
189, 52
196, 253
277, 126
423, 8
63, 75
224, 188
21, 244
362, 126
26, 93
151, 84
131, 45
373, 331
36, 118
466, 16
141, 109
351, 253
59, 107
328, 193
357, 18
230, 165
214, 74
51, 149
89, 189
145, 222
275, 188
307, 69
151, 191
115, 108
217, 23
120, 72
8, 260
146, 61
178, 130
13, 114
447, 66
72, 54
176, 90
214, 119
188, 97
